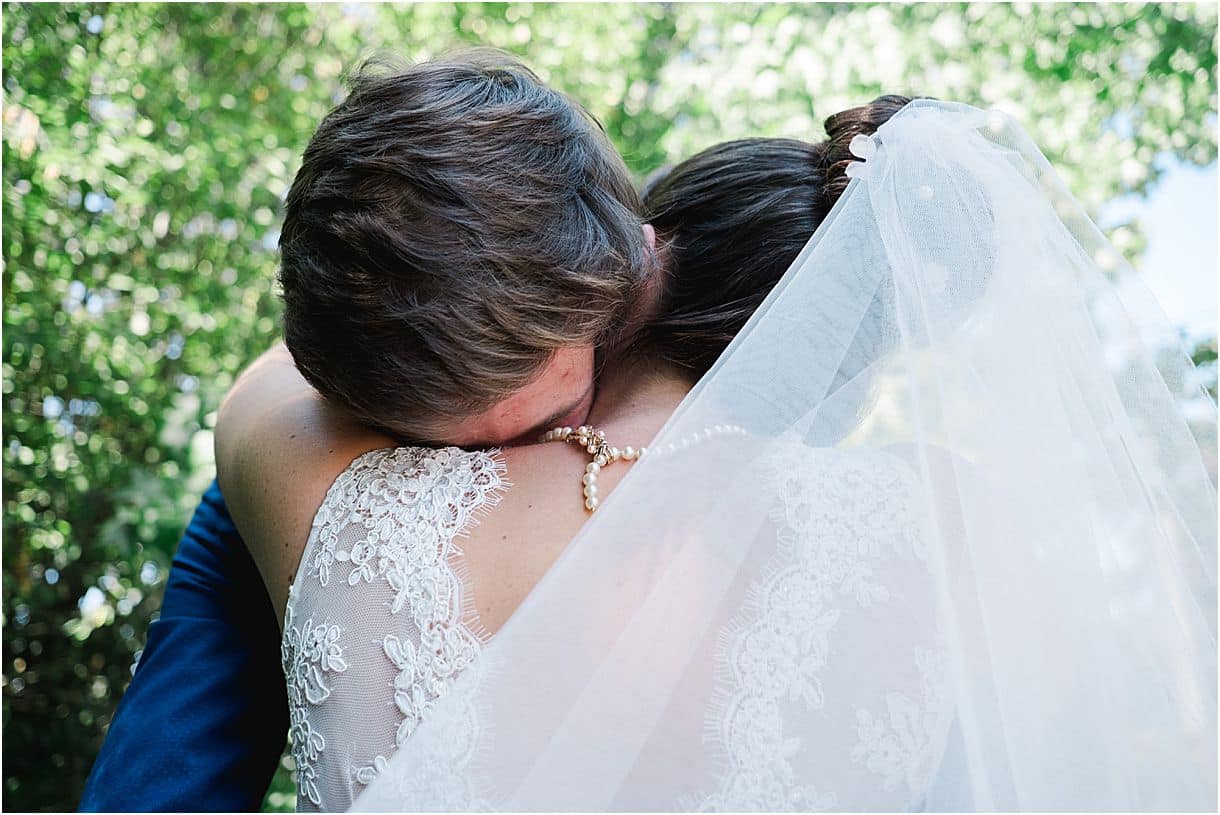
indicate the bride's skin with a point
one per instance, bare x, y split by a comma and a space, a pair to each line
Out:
280, 446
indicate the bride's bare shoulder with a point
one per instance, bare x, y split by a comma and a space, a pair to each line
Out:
279, 447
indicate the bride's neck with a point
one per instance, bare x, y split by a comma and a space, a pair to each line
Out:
639, 390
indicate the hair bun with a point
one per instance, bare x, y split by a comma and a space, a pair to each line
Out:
835, 152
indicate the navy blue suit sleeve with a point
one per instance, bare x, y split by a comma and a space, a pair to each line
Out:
203, 723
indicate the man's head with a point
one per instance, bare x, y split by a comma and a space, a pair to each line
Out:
458, 240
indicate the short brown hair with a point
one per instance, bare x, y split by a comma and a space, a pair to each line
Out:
452, 224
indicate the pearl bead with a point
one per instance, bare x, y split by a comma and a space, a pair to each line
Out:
594, 443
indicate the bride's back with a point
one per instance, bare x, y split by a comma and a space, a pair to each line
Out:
414, 558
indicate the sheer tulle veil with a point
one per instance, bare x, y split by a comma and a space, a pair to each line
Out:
963, 557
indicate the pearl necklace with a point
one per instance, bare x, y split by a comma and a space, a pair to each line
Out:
595, 444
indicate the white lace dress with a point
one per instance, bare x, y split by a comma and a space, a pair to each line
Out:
378, 625
818, 683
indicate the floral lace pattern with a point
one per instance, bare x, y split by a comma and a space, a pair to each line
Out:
309, 653
899, 747
836, 514
387, 528
439, 781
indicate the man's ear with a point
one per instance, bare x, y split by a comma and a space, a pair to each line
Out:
654, 285
648, 297
656, 268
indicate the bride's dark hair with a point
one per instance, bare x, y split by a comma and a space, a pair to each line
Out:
731, 220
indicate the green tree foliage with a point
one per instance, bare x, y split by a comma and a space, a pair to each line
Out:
146, 151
